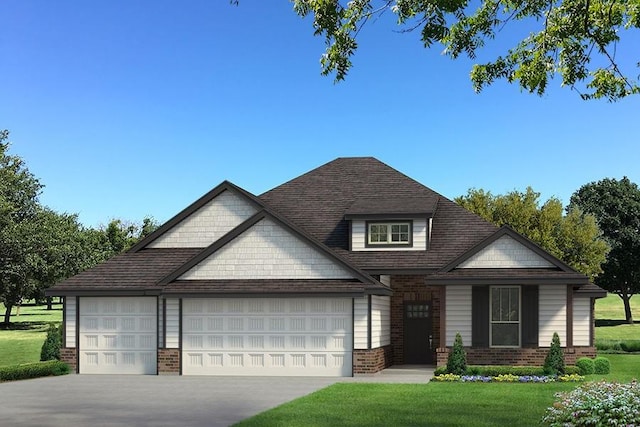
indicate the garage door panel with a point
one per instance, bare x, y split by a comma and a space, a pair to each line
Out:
267, 337
118, 335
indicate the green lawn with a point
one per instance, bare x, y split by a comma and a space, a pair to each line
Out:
23, 341
610, 320
432, 404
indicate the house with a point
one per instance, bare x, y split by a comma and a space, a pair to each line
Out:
349, 268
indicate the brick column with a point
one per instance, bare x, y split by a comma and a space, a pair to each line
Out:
168, 361
70, 357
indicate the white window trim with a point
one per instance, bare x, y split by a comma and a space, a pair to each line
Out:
408, 243
519, 322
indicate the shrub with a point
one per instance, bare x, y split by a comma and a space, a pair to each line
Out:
630, 346
495, 370
440, 371
457, 360
601, 365
51, 346
585, 365
33, 370
570, 370
596, 404
554, 362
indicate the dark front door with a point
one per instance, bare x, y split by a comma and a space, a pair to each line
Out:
417, 332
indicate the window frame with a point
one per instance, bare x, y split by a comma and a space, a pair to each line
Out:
502, 322
388, 243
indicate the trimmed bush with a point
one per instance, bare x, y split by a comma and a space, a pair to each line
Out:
554, 362
33, 370
496, 370
51, 346
596, 404
601, 365
440, 371
457, 360
585, 365
571, 370
630, 346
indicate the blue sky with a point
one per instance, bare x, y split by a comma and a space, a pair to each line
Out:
126, 109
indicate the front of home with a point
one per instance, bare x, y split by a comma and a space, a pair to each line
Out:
349, 268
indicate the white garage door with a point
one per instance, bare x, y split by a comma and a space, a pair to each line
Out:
262, 336
118, 335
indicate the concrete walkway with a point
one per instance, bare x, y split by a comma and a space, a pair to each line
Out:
149, 400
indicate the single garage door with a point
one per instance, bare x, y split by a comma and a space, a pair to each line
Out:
267, 336
118, 335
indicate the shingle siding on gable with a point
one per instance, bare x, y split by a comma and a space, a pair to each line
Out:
506, 253
208, 223
267, 251
358, 230
552, 300
581, 321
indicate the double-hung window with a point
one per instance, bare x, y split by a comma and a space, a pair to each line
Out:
505, 316
389, 233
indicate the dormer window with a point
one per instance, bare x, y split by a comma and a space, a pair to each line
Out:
389, 233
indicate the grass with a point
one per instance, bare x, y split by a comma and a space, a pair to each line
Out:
433, 404
21, 343
610, 320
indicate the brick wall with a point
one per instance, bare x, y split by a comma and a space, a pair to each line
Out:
70, 357
371, 361
515, 356
411, 288
168, 361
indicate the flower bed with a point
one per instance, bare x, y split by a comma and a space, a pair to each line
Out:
508, 378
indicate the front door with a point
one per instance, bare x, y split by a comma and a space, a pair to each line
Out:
417, 332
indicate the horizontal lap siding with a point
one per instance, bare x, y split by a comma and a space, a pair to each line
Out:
358, 236
173, 323
70, 321
581, 321
380, 321
458, 309
160, 323
360, 323
553, 313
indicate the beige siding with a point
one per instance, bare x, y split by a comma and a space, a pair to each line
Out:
581, 321
506, 253
358, 230
267, 251
207, 224
380, 321
160, 324
360, 322
458, 312
173, 323
70, 321
552, 300
385, 279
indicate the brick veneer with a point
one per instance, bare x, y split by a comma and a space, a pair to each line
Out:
411, 288
515, 356
70, 357
372, 361
168, 361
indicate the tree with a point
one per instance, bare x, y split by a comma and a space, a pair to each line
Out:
575, 39
573, 238
457, 360
120, 235
616, 206
554, 361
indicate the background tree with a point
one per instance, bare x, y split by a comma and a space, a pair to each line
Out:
573, 238
616, 206
575, 39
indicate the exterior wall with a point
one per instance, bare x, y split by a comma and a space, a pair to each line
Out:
267, 251
358, 237
360, 323
372, 361
207, 224
380, 321
173, 323
160, 323
70, 357
582, 321
70, 326
458, 309
506, 253
168, 361
515, 356
411, 288
552, 300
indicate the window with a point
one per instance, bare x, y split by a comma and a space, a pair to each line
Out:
389, 233
505, 316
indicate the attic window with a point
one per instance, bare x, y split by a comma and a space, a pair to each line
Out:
389, 233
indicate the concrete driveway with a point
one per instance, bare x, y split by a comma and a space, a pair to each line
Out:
139, 400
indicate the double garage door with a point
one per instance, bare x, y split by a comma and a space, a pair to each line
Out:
243, 336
